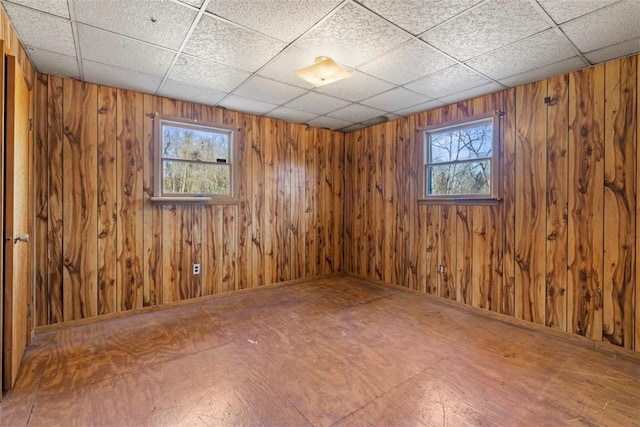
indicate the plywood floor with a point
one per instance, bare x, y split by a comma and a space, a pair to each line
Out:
329, 352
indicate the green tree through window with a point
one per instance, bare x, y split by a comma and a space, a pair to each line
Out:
459, 160
195, 159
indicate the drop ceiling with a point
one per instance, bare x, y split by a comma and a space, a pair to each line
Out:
405, 56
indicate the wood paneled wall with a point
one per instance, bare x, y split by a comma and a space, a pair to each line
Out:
558, 250
13, 46
103, 248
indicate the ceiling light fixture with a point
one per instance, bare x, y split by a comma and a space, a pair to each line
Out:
323, 72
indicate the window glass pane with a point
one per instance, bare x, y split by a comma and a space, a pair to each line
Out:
461, 144
194, 144
193, 178
459, 178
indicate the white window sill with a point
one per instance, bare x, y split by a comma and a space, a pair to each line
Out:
192, 200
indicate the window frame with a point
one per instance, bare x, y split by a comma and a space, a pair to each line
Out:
159, 196
495, 178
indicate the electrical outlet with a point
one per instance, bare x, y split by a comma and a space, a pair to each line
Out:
442, 269
196, 268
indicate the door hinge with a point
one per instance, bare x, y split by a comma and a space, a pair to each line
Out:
30, 125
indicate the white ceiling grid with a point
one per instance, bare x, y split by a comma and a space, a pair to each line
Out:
405, 56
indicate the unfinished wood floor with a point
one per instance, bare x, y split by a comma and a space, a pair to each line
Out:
337, 351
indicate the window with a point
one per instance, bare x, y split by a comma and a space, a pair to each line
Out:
459, 160
194, 162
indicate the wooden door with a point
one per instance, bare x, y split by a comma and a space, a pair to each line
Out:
16, 222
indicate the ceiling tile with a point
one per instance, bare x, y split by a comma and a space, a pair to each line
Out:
51, 33
489, 26
550, 70
608, 26
447, 81
246, 105
267, 90
282, 19
395, 99
408, 62
290, 115
317, 103
186, 92
195, 3
352, 35
55, 7
472, 93
284, 65
163, 23
615, 51
208, 74
329, 122
357, 113
117, 77
54, 63
111, 49
534, 52
231, 45
355, 88
429, 105
565, 10
417, 16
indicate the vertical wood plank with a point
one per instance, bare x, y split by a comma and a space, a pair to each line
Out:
107, 203
377, 140
41, 182
245, 216
321, 189
359, 231
336, 158
531, 119
212, 243
496, 255
464, 245
481, 256
586, 179
310, 184
413, 213
256, 190
270, 230
152, 214
430, 264
637, 240
557, 148
619, 201
172, 274
398, 201
349, 203
80, 200
284, 169
130, 127
509, 180
196, 250
446, 252
298, 208
56, 210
